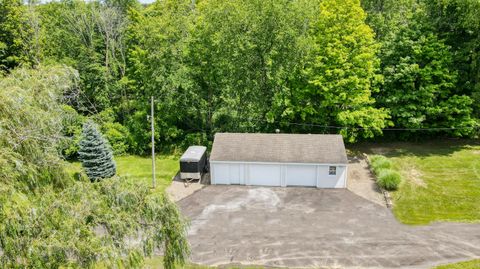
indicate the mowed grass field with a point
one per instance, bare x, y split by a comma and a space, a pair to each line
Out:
139, 169
441, 180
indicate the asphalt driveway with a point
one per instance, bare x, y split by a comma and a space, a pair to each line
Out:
307, 227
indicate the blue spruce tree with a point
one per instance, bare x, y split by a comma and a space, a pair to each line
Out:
95, 153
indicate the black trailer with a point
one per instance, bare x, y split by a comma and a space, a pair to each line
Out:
193, 163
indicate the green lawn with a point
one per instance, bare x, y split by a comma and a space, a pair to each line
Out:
441, 180
139, 169
475, 264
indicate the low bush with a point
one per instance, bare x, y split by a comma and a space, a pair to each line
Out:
379, 163
388, 179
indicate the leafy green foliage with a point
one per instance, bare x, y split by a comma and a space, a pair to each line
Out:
340, 75
458, 23
421, 87
117, 135
388, 179
31, 126
72, 130
244, 53
259, 65
255, 66
49, 220
86, 223
89, 36
15, 35
95, 153
157, 60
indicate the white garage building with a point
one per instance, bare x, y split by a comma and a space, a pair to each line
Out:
279, 160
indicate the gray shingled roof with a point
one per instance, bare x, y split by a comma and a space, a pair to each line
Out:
283, 148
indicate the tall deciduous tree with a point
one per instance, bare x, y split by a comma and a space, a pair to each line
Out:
340, 75
421, 78
15, 34
244, 53
420, 83
458, 23
89, 36
157, 60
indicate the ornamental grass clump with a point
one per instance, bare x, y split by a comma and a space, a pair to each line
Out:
389, 179
379, 163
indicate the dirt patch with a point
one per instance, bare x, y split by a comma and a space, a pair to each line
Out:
362, 182
415, 177
180, 189
381, 150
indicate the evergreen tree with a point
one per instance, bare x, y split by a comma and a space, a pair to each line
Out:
95, 153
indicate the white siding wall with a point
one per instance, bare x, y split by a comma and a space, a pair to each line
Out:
331, 181
277, 174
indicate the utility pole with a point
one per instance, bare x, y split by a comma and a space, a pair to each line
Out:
154, 183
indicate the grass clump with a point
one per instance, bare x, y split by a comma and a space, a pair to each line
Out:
379, 163
388, 179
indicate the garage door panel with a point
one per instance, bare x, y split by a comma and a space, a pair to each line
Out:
264, 174
235, 173
301, 175
221, 173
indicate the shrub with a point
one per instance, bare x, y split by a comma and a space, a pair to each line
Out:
379, 163
118, 136
388, 179
72, 130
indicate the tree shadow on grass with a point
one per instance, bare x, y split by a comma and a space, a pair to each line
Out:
429, 148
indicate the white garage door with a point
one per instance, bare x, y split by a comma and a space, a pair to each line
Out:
226, 173
301, 175
264, 174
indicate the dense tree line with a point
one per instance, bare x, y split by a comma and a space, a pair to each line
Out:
429, 63
322, 66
